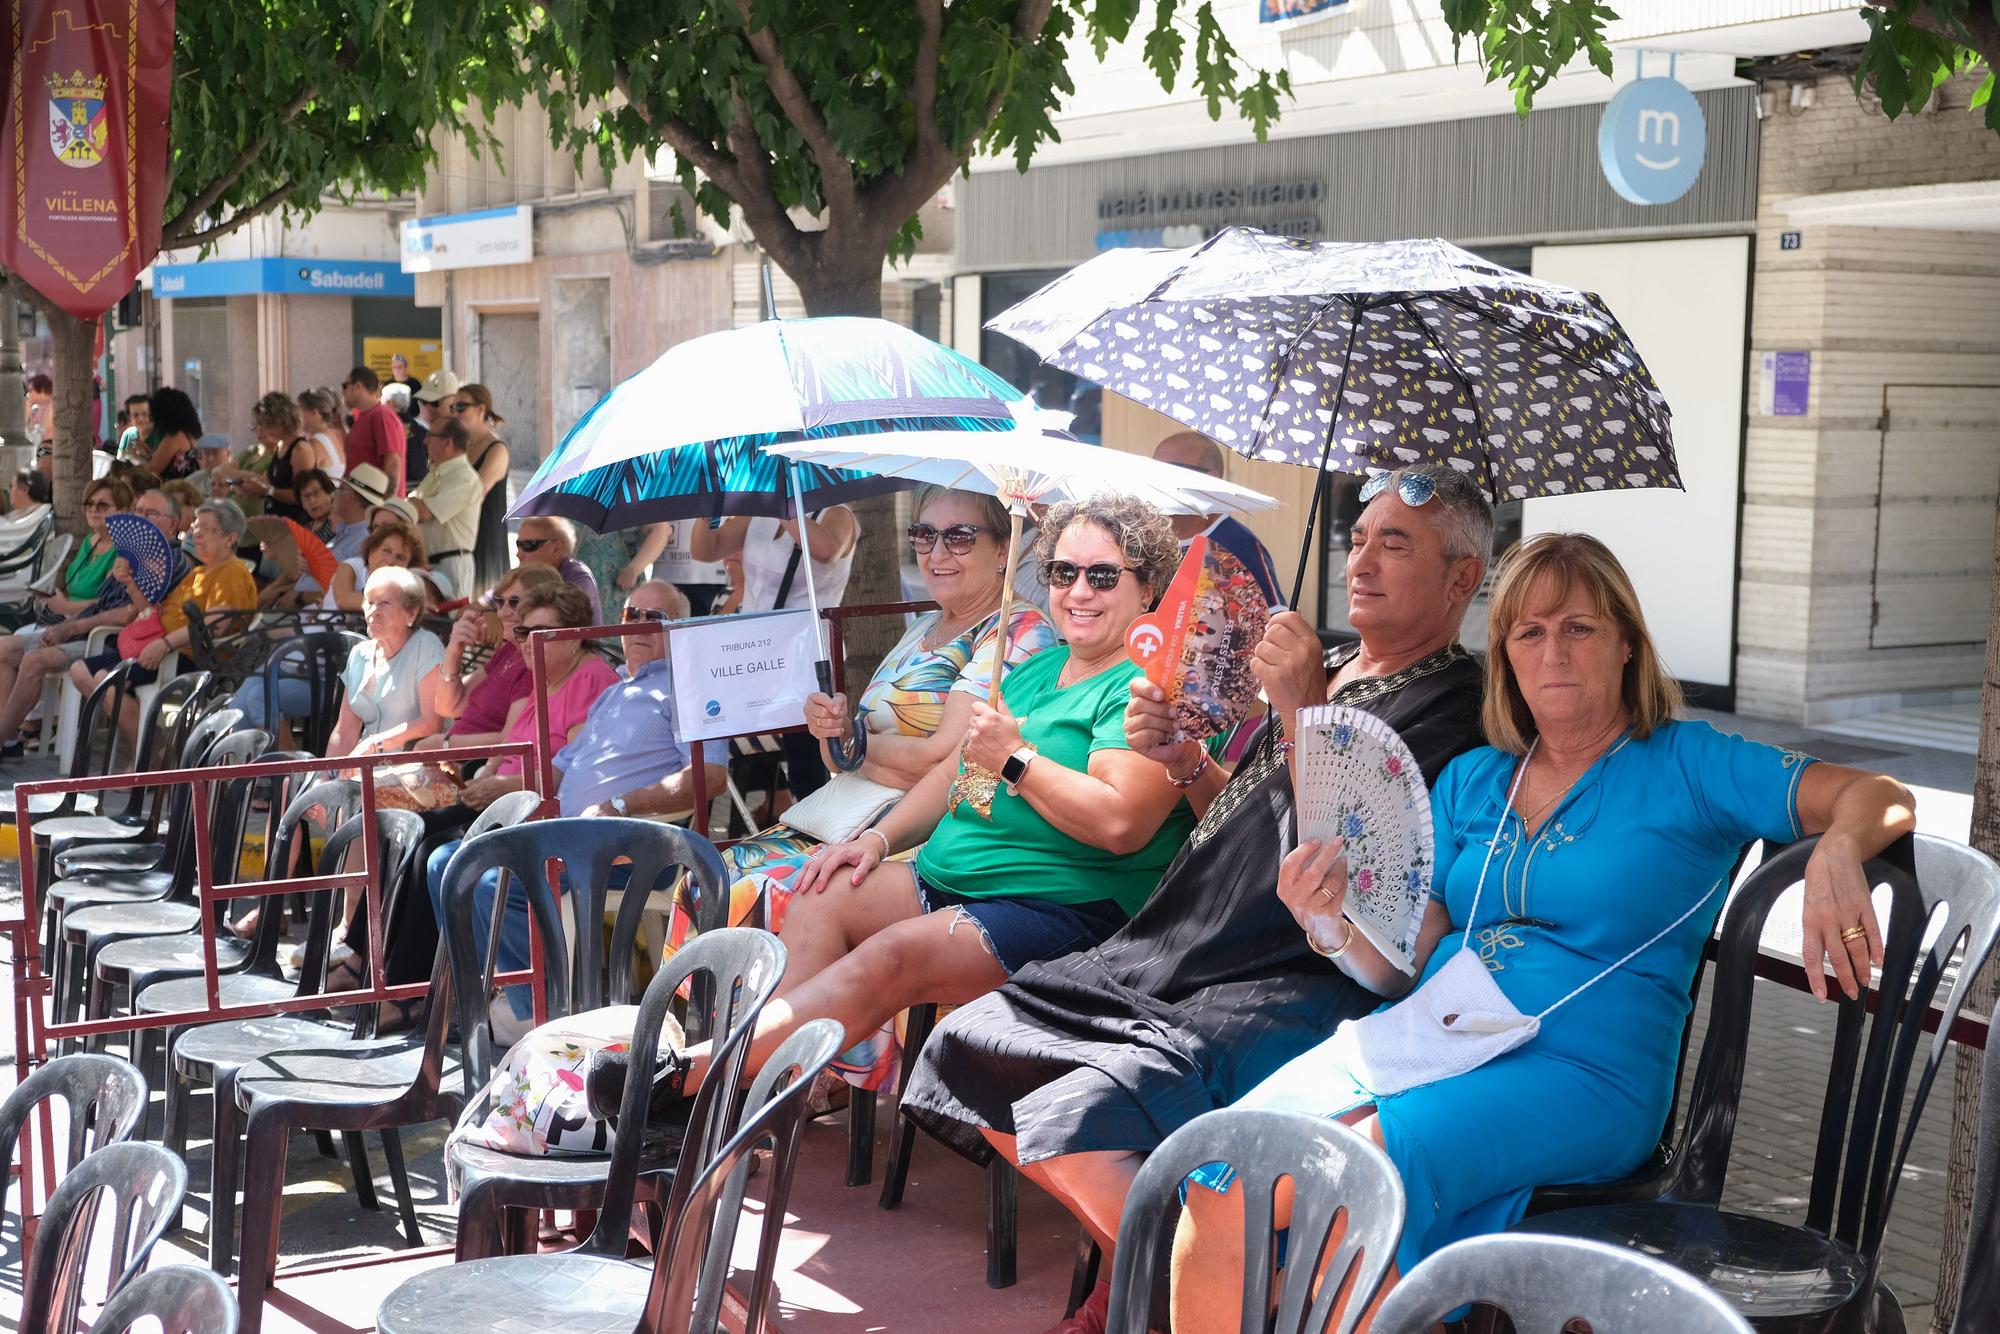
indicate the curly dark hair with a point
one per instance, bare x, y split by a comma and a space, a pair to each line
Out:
173, 413
1143, 534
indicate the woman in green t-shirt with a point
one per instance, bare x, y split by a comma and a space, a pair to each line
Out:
1073, 843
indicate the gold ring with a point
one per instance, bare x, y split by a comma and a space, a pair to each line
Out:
1323, 892
1855, 932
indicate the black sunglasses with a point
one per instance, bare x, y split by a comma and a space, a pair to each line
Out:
521, 632
531, 543
1103, 576
631, 614
958, 538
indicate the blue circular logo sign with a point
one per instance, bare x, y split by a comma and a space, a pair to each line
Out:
714, 708
1652, 141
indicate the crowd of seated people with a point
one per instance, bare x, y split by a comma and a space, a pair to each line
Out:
1126, 921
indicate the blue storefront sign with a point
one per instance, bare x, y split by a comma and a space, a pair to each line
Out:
293, 277
1652, 141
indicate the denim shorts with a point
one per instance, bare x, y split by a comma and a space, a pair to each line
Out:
1025, 930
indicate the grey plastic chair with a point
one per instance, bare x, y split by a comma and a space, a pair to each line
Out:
218, 1052
75, 871
104, 1097
681, 1291
145, 1183
490, 1183
183, 1298
1334, 1172
1542, 1284
87, 928
380, 1084
129, 967
1824, 1271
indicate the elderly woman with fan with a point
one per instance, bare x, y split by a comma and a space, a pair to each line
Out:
1581, 860
1042, 836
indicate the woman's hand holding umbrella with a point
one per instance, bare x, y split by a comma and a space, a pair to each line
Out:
992, 735
827, 717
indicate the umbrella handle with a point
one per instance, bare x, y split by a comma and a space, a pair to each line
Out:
847, 755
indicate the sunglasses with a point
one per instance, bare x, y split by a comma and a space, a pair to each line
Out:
1416, 488
632, 614
521, 632
958, 538
97, 504
1103, 576
531, 543
496, 602
463, 407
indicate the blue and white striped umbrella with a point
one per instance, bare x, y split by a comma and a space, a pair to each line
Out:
687, 436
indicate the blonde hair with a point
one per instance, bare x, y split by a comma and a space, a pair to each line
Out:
1550, 567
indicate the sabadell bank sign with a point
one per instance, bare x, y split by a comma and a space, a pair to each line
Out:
249, 277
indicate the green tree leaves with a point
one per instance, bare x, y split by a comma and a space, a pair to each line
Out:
283, 105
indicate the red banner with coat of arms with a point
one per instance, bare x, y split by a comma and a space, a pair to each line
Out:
83, 145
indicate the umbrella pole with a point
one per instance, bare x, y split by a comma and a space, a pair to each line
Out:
1006, 602
1325, 453
847, 756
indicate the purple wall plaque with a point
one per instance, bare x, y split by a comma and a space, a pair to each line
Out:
1787, 383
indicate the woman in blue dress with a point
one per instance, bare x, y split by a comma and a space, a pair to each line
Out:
1581, 859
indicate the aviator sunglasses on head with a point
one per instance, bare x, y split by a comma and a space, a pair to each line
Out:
1416, 488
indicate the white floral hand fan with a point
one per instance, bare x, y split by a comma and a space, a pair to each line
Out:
1357, 781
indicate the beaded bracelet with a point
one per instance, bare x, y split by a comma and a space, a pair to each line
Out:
886, 849
1285, 745
1194, 774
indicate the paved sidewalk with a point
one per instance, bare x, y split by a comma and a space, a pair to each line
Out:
840, 1269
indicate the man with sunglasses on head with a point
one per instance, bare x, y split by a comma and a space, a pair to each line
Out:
1197, 453
1081, 1065
544, 540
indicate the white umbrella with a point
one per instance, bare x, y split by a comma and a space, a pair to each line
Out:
1026, 467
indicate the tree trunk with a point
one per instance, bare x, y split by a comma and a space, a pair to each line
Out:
856, 289
1965, 1074
76, 363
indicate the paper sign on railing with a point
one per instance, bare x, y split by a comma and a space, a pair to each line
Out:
735, 675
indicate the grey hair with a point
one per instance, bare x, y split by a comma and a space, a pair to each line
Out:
229, 516
992, 514
173, 506
409, 585
1464, 516
1144, 535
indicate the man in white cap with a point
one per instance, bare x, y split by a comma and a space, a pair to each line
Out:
430, 404
447, 502
364, 487
211, 452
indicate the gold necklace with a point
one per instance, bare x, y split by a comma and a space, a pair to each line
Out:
1064, 680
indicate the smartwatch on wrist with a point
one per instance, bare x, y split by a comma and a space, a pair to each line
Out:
1016, 769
